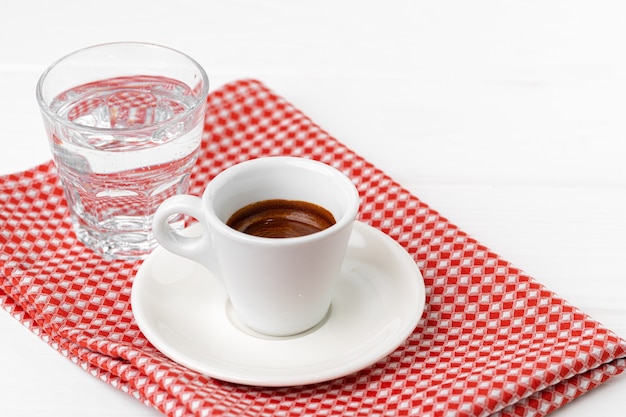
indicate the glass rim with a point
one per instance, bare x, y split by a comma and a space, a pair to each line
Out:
198, 102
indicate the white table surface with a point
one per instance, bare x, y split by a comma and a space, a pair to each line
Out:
508, 117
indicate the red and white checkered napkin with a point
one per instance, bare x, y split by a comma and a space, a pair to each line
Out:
492, 340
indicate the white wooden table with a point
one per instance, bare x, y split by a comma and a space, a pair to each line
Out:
508, 117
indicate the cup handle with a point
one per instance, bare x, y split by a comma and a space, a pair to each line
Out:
196, 248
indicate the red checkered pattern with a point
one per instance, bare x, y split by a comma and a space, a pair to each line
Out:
491, 341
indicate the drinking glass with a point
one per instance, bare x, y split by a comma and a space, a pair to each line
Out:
124, 122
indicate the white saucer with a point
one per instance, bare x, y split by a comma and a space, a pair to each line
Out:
185, 313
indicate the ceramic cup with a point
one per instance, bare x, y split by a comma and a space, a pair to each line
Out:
277, 286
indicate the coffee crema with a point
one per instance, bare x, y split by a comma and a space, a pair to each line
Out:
279, 218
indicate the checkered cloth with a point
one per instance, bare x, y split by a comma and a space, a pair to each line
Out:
491, 341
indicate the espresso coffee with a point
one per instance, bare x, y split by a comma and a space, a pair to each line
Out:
281, 218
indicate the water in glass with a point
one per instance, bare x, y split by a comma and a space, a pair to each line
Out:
129, 147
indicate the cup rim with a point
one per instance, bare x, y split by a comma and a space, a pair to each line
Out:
199, 102
346, 220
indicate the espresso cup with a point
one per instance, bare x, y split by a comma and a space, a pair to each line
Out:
277, 286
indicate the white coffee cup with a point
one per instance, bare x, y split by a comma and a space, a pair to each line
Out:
277, 286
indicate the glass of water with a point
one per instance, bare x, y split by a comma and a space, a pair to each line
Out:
124, 122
